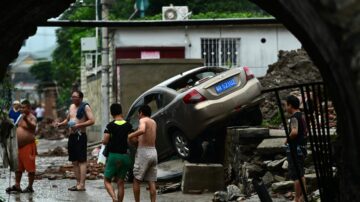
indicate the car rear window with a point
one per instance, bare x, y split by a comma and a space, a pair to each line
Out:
195, 78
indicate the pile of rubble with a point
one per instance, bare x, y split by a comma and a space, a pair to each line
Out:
259, 153
47, 130
94, 171
293, 67
58, 151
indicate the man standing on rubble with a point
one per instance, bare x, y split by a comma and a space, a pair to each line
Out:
296, 145
80, 116
25, 133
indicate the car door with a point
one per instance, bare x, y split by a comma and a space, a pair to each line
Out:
133, 117
157, 103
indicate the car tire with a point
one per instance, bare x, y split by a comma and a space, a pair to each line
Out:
181, 145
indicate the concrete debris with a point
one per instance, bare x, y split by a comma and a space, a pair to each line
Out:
265, 161
47, 130
271, 146
220, 196
268, 178
274, 165
94, 171
283, 187
168, 188
233, 192
58, 151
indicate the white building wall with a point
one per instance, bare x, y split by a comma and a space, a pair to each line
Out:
253, 52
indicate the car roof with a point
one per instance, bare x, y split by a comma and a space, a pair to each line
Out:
179, 76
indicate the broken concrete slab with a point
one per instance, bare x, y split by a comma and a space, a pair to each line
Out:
202, 177
271, 146
277, 133
268, 178
250, 132
274, 165
282, 187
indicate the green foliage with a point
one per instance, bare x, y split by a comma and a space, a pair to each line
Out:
67, 56
273, 122
42, 71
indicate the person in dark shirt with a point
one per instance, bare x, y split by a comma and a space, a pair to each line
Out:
296, 144
14, 112
118, 162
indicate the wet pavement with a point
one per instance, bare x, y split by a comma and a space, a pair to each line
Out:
56, 190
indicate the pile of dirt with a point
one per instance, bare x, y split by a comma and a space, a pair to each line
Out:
293, 67
47, 130
94, 171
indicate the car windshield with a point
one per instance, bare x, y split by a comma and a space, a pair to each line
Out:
195, 78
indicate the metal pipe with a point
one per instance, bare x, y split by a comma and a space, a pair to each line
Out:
104, 68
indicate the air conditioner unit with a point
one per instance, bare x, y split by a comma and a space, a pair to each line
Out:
175, 12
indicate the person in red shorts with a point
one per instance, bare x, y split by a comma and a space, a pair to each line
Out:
25, 133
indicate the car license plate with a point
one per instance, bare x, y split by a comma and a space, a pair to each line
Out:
225, 85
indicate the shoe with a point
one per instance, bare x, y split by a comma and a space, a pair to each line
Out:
28, 190
74, 188
13, 189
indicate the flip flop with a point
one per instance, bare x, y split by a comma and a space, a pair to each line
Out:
13, 189
73, 188
77, 189
28, 190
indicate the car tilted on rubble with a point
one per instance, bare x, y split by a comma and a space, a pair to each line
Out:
189, 104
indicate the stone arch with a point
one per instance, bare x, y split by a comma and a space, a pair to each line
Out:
328, 30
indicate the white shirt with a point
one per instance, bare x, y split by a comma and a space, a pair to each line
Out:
39, 112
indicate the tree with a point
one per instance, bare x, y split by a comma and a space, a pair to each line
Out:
67, 56
42, 72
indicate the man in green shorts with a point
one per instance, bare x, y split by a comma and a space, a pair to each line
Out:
118, 162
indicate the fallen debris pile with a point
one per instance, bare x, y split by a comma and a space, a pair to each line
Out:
94, 171
47, 130
293, 67
58, 151
259, 156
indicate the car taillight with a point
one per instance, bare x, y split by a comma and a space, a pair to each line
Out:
248, 73
193, 97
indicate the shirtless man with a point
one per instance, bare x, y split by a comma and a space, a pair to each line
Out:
80, 116
146, 156
25, 133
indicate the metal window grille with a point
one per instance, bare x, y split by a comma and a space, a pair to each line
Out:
220, 51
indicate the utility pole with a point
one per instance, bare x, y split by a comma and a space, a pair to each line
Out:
104, 66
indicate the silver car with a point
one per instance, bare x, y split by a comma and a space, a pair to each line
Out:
188, 104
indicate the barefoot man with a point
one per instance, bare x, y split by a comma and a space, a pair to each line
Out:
25, 133
80, 116
146, 156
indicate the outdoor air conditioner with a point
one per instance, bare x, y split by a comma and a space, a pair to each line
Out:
175, 12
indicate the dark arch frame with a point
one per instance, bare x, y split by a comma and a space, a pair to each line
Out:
322, 42
312, 22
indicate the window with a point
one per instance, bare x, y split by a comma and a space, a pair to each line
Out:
220, 51
133, 117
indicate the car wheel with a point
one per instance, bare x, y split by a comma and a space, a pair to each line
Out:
181, 145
